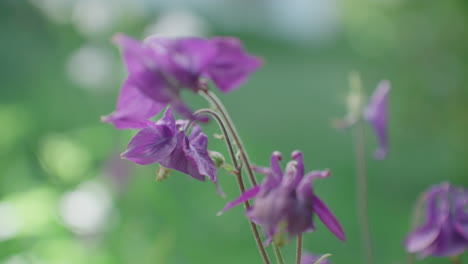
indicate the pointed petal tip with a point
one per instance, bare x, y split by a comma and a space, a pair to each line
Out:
124, 155
325, 173
277, 155
219, 190
296, 154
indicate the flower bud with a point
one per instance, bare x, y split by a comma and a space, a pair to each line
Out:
217, 158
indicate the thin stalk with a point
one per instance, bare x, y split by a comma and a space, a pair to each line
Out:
238, 174
299, 249
360, 148
279, 256
211, 97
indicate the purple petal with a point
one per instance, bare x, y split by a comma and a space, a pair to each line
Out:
151, 145
304, 189
133, 53
133, 108
261, 170
168, 120
448, 243
461, 214
182, 109
376, 114
232, 65
298, 157
178, 160
197, 153
424, 236
148, 67
245, 196
327, 218
275, 166
191, 55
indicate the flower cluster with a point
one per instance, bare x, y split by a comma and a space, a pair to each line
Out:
445, 230
158, 68
288, 199
165, 142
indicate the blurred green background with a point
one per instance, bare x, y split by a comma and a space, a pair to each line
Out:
66, 197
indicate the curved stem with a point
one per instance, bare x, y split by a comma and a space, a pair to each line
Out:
279, 256
299, 249
238, 173
362, 191
211, 97
221, 125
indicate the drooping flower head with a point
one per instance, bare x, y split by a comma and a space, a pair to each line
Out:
166, 142
376, 113
288, 200
444, 232
158, 68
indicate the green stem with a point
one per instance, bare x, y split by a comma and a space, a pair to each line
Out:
279, 256
360, 149
299, 249
238, 173
211, 97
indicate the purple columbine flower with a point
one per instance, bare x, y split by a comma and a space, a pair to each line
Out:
158, 68
165, 142
445, 229
308, 258
287, 199
376, 113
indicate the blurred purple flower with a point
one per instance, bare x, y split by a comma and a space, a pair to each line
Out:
158, 68
308, 258
165, 142
445, 229
376, 113
287, 199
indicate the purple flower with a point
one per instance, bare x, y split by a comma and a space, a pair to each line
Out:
287, 199
308, 258
445, 229
376, 113
165, 142
158, 68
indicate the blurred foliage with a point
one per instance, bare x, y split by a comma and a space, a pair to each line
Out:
51, 140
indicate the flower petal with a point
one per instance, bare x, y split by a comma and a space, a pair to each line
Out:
298, 157
461, 215
376, 114
327, 218
196, 151
232, 65
245, 196
425, 235
276, 157
151, 145
133, 108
